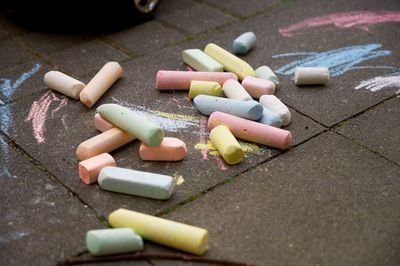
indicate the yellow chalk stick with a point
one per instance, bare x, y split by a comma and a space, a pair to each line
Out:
230, 62
166, 232
226, 144
204, 87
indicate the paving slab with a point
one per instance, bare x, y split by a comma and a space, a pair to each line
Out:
145, 38
196, 18
86, 58
242, 8
59, 125
377, 129
326, 202
41, 222
12, 54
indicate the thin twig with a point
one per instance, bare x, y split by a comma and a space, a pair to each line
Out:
152, 256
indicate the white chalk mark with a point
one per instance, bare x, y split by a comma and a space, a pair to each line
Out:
381, 82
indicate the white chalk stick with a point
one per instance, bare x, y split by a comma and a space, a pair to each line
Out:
63, 83
234, 90
311, 76
276, 106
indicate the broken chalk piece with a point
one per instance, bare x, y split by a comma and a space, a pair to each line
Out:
206, 105
230, 62
180, 80
257, 87
105, 142
234, 90
101, 124
138, 183
264, 72
131, 122
89, 169
311, 76
204, 87
113, 241
270, 118
200, 61
63, 83
278, 107
226, 144
166, 232
170, 149
244, 43
100, 83
252, 131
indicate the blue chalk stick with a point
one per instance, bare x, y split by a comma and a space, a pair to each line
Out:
206, 105
270, 118
244, 42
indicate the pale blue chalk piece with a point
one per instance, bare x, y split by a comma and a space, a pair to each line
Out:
244, 42
206, 105
200, 61
270, 118
136, 183
264, 72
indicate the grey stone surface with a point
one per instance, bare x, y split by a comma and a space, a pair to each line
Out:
7, 27
327, 202
41, 223
86, 58
243, 8
377, 128
195, 19
12, 54
169, 6
145, 38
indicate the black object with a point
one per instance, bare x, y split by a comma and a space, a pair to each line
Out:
80, 15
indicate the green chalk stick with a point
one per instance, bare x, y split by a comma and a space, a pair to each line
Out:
200, 61
264, 72
113, 241
131, 122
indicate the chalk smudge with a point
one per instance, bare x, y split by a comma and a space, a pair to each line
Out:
338, 61
381, 82
8, 87
11, 236
359, 19
203, 136
178, 179
38, 113
4, 171
168, 121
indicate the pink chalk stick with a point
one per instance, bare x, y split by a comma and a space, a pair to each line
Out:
89, 169
257, 87
252, 131
170, 149
101, 124
180, 80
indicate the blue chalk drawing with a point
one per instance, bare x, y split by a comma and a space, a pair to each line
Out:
338, 61
8, 87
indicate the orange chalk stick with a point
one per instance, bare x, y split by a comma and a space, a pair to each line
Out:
170, 149
89, 169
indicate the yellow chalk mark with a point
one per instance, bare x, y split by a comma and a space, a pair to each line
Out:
178, 179
246, 146
189, 118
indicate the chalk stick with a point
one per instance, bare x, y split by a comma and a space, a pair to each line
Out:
264, 72
200, 61
180, 80
131, 122
206, 105
63, 83
113, 241
138, 183
100, 83
311, 76
170, 149
270, 118
166, 232
89, 169
230, 62
234, 90
257, 87
198, 87
244, 43
278, 107
105, 142
252, 131
101, 124
226, 144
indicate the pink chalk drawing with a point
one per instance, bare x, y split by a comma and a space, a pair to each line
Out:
360, 19
220, 163
203, 137
38, 113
